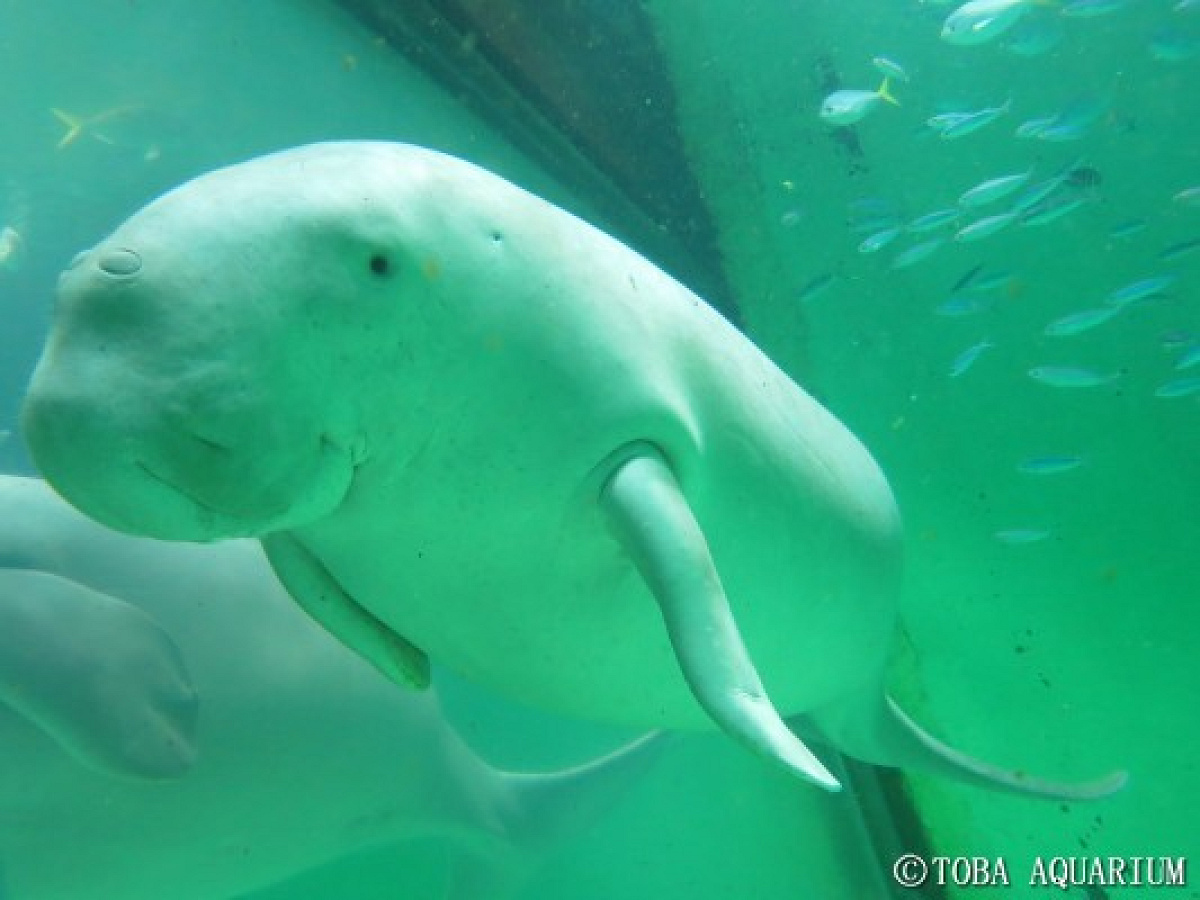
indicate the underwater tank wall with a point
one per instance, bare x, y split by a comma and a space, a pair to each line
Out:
1050, 615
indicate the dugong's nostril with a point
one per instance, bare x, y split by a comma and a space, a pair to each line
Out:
120, 262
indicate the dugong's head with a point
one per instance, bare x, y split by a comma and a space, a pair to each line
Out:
206, 364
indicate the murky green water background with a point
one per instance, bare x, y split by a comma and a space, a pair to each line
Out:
1068, 654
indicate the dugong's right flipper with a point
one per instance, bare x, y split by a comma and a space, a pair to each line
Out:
319, 595
530, 814
652, 520
97, 674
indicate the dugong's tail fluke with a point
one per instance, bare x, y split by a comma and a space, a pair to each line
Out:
877, 730
652, 520
532, 813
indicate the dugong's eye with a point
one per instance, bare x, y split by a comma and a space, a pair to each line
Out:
380, 264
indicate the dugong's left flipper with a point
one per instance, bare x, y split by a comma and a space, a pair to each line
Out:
871, 727
319, 595
97, 674
652, 520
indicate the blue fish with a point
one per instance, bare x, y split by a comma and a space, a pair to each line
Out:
1128, 228
1049, 465
916, 253
968, 123
1142, 289
1078, 322
981, 228
932, 221
1032, 128
993, 189
1189, 196
1021, 535
878, 240
1035, 194
1189, 358
962, 305
967, 358
1061, 132
1071, 376
890, 68
991, 281
1180, 250
1051, 209
1179, 387
816, 287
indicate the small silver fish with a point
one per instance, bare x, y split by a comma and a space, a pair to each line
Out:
1071, 376
986, 227
973, 121
10, 247
1176, 339
1021, 535
1188, 196
1078, 322
879, 240
967, 358
991, 281
979, 21
1128, 229
1053, 464
1142, 289
962, 305
1032, 128
1180, 250
1035, 194
1051, 209
890, 68
1179, 387
1189, 358
5, 434
1061, 132
993, 189
917, 252
932, 221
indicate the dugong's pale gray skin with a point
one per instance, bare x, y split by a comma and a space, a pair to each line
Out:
302, 753
468, 426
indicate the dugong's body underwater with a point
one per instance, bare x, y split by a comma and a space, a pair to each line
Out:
466, 425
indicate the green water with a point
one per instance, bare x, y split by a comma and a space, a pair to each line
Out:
1069, 656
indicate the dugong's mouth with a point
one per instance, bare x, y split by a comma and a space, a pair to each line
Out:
214, 522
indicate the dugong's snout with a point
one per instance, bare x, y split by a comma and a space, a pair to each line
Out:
148, 413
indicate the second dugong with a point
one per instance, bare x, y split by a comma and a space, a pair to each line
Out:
300, 755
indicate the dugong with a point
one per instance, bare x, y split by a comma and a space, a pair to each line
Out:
301, 753
468, 426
